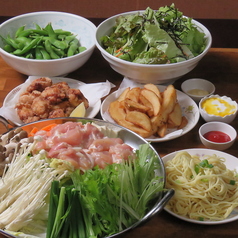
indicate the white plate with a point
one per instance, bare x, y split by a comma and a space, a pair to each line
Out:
231, 163
91, 111
189, 109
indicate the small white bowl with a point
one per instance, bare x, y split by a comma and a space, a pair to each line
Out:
202, 86
148, 73
79, 26
210, 117
217, 126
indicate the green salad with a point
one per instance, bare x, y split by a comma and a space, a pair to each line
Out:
155, 37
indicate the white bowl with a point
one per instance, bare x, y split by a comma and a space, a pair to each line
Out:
143, 73
217, 126
210, 117
201, 85
83, 28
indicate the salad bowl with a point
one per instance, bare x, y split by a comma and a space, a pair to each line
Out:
143, 72
130, 138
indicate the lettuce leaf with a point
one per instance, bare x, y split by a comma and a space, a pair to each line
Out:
167, 30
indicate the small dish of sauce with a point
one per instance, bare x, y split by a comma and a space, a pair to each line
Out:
198, 92
217, 136
218, 106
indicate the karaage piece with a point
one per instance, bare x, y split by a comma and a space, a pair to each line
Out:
43, 99
39, 84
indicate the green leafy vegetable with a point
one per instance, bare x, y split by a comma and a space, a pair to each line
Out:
172, 37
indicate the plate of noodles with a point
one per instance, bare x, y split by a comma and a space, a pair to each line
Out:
206, 186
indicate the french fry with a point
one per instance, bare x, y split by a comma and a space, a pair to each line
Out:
154, 89
147, 111
175, 117
183, 123
168, 103
123, 95
118, 114
146, 103
134, 94
140, 119
153, 99
169, 98
135, 106
162, 130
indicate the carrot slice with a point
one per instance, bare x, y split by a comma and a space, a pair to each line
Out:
49, 127
33, 132
45, 128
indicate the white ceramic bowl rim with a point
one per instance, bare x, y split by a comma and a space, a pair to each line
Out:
52, 13
205, 81
218, 123
222, 97
198, 24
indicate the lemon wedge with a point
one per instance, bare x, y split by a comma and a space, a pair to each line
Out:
79, 111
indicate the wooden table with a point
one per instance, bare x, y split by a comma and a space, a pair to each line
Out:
220, 66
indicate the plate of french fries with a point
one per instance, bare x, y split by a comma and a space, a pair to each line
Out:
155, 112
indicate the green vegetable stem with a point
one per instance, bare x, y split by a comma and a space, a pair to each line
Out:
102, 202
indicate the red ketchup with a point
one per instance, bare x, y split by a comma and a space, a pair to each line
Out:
217, 136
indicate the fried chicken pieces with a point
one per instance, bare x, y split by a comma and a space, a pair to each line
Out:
43, 99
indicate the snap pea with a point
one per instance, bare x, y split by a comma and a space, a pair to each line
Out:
50, 50
8, 48
62, 32
81, 49
58, 44
19, 30
28, 32
24, 40
38, 54
68, 39
45, 54
11, 42
27, 47
49, 29
58, 51
42, 43
73, 46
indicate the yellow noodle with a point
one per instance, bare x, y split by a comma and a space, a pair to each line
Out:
207, 194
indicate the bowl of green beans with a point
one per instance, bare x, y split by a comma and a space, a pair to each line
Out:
47, 43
